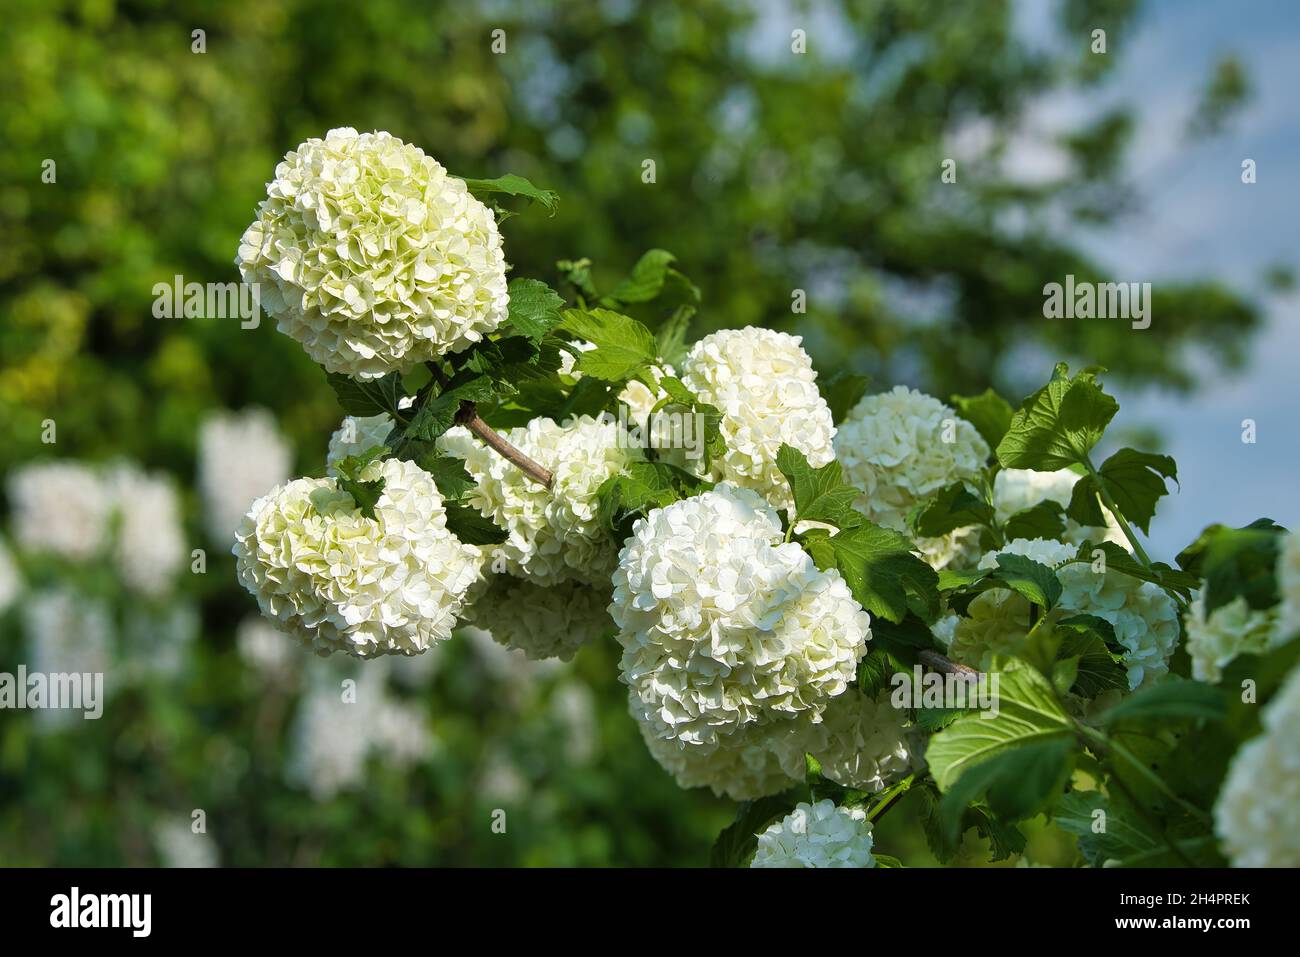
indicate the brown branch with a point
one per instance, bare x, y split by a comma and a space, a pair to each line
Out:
941, 663
468, 416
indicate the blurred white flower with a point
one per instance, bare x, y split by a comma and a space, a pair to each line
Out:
817, 835
1230, 630
764, 385
68, 632
860, 742
156, 641
241, 457
179, 846
1257, 816
265, 648
1015, 490
373, 257
149, 546
339, 581
61, 507
1288, 585
573, 708
11, 580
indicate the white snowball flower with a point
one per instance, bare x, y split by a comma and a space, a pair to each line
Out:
1288, 584
1015, 490
725, 626
339, 581
555, 534
241, 456
1144, 617
551, 621
60, 507
263, 648
764, 385
373, 257
1257, 816
149, 547
899, 448
817, 835
861, 742
11, 582
331, 737
573, 709
1230, 630
356, 434
741, 767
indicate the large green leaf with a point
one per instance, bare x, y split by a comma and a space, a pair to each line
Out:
535, 309
988, 412
1018, 783
878, 565
736, 844
1169, 699
952, 507
1028, 713
365, 397
1058, 425
624, 348
820, 495
512, 184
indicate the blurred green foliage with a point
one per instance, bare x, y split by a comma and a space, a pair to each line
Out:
774, 171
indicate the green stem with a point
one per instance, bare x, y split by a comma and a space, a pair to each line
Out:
1114, 509
895, 793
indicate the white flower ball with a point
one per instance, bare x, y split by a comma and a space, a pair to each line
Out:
742, 767
356, 434
373, 257
817, 835
1015, 490
60, 507
724, 626
11, 580
241, 456
1288, 584
892, 446
551, 621
339, 581
764, 385
860, 742
1257, 816
1230, 630
554, 535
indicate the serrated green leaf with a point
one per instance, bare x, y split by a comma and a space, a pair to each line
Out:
1136, 481
878, 565
1028, 713
951, 508
1043, 520
671, 337
449, 474
1169, 699
1019, 782
366, 397
1237, 562
652, 272
438, 413
842, 391
512, 184
624, 348
471, 527
820, 495
736, 844
1034, 580
535, 309
988, 412
1058, 425
365, 494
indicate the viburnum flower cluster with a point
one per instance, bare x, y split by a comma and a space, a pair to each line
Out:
766, 596
373, 256
817, 835
339, 581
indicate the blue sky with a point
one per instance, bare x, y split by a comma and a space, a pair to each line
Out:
1197, 218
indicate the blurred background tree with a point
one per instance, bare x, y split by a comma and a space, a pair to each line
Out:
774, 171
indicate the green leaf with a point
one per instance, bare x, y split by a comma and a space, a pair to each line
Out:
1120, 833
951, 508
577, 273
671, 337
820, 495
652, 272
366, 493
535, 309
1088, 640
1237, 562
471, 527
1136, 480
365, 397
1119, 560
877, 668
1058, 425
438, 413
1044, 520
988, 412
879, 567
1034, 580
842, 391
513, 185
449, 474
624, 348
736, 844
1028, 713
643, 486
885, 860
1169, 699
1019, 783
